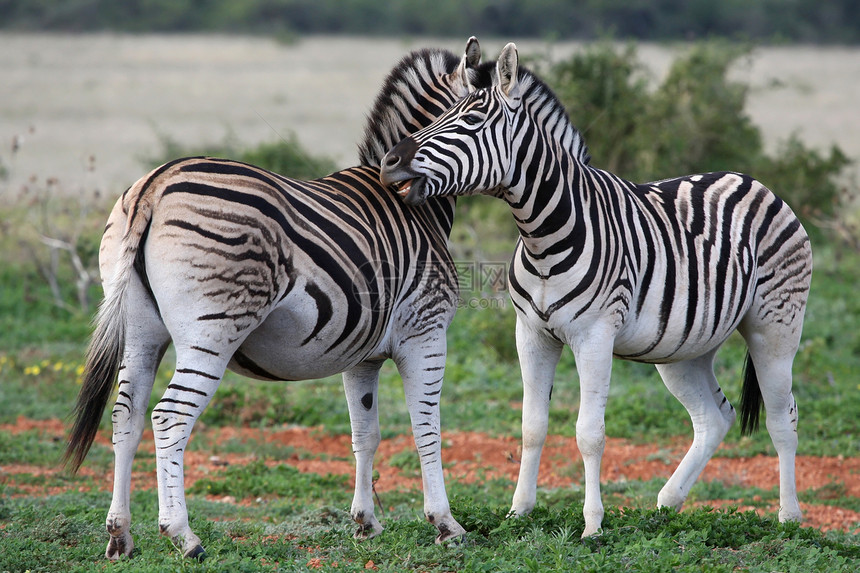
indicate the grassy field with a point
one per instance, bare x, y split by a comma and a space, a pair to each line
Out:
261, 502
263, 514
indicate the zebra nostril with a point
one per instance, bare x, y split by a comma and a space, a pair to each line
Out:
392, 160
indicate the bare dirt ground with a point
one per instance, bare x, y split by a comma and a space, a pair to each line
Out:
473, 456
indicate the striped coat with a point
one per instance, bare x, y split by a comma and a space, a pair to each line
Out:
659, 272
277, 279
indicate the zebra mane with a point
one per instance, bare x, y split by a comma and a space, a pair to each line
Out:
410, 99
538, 95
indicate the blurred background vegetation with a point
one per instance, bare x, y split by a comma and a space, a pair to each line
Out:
817, 21
693, 120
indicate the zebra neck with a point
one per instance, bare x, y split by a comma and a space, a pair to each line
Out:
549, 210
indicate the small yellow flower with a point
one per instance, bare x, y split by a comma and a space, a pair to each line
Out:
79, 370
32, 370
57, 366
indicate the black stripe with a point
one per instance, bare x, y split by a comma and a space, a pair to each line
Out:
249, 365
324, 309
197, 373
186, 389
205, 350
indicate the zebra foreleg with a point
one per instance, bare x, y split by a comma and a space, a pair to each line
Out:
422, 366
693, 383
539, 356
360, 385
187, 395
593, 354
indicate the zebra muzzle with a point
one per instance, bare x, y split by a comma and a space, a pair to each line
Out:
413, 191
404, 188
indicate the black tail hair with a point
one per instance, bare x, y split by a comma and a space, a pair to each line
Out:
100, 373
751, 404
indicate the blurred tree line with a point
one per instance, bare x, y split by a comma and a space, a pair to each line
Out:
694, 121
815, 21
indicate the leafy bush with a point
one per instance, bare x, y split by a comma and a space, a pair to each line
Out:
289, 158
694, 121
286, 157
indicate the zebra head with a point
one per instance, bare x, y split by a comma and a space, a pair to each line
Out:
420, 88
468, 149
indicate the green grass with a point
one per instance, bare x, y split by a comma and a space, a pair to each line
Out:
65, 532
257, 480
287, 519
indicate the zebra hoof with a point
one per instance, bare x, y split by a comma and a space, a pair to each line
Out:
119, 546
591, 533
367, 530
454, 534
197, 553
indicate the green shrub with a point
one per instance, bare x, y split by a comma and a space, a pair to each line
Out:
694, 121
289, 158
286, 157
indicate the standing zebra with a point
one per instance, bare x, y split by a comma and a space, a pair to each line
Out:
276, 279
660, 273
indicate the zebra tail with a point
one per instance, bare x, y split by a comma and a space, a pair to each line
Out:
750, 405
101, 368
105, 352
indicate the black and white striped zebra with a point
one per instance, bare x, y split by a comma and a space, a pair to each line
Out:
276, 279
661, 272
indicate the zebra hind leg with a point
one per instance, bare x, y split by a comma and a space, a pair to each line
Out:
360, 385
198, 373
136, 377
144, 348
772, 353
693, 383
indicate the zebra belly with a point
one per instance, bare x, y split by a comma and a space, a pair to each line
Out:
646, 339
671, 348
282, 349
689, 308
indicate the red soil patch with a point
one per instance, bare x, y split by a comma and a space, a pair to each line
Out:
473, 457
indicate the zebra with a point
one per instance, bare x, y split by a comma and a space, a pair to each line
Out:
659, 273
276, 279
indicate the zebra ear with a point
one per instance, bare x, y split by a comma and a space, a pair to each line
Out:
506, 71
471, 60
472, 57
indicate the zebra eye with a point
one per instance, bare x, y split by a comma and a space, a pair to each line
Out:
472, 119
